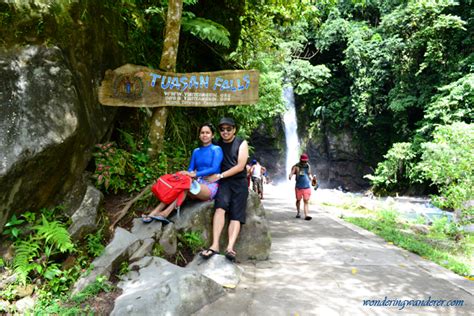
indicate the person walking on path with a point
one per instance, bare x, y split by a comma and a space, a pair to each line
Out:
257, 177
302, 171
233, 191
205, 161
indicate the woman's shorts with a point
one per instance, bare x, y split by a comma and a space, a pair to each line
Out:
212, 186
304, 194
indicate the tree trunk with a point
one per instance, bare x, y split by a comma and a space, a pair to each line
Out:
167, 63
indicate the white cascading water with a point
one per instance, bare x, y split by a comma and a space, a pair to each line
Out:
291, 136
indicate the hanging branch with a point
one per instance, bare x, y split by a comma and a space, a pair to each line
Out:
127, 206
308, 54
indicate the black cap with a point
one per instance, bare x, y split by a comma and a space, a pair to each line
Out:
227, 121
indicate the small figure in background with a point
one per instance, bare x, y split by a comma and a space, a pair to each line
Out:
304, 176
257, 171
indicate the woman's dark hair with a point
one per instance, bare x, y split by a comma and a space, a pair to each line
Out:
208, 124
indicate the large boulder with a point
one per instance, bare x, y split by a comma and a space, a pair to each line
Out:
157, 287
46, 131
50, 117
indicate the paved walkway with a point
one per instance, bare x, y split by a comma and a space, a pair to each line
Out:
329, 267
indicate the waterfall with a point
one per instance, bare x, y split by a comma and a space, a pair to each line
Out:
291, 137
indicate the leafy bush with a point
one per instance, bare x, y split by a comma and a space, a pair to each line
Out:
396, 170
111, 167
448, 161
442, 228
95, 247
191, 240
128, 167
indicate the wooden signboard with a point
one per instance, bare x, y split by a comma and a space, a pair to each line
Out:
139, 86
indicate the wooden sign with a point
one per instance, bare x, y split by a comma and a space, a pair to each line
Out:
139, 86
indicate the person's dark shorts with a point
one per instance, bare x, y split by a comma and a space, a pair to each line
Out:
232, 197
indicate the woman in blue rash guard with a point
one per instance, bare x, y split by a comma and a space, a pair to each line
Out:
205, 161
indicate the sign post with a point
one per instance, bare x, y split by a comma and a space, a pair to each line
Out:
139, 86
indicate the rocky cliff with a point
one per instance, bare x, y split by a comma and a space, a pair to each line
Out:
50, 116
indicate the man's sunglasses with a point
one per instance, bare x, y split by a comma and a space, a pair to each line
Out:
228, 129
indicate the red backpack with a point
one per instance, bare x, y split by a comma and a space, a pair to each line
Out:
170, 187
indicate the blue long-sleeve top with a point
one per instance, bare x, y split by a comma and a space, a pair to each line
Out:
206, 160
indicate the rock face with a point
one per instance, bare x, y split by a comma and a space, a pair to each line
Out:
269, 148
157, 287
334, 157
50, 117
337, 162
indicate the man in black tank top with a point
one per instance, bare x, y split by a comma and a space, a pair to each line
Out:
233, 190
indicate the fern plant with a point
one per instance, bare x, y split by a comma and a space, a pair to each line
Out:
205, 29
33, 254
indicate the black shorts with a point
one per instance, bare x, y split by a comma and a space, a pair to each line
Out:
232, 197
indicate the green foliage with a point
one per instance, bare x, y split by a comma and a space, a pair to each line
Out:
158, 250
397, 168
73, 305
205, 29
99, 285
9, 292
191, 240
442, 227
95, 246
124, 268
453, 103
388, 217
387, 60
11, 228
120, 170
34, 254
26, 252
111, 166
307, 78
448, 162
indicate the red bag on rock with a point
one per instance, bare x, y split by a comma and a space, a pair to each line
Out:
170, 187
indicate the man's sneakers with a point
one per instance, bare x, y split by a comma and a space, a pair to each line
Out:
298, 215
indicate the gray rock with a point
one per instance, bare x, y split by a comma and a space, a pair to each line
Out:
144, 250
169, 240
24, 305
254, 240
84, 220
122, 246
7, 278
146, 230
420, 229
218, 269
4, 306
161, 288
50, 120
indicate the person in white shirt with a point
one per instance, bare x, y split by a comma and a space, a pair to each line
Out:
257, 177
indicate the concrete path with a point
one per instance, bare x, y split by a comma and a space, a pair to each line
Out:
329, 267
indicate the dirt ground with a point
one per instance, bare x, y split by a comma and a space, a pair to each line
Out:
103, 303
